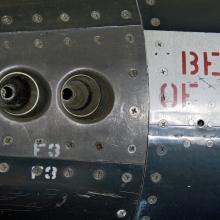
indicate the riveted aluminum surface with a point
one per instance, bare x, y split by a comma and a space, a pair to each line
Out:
187, 71
185, 154
28, 15
113, 59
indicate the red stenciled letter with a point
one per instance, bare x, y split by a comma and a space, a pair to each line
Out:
163, 96
184, 62
207, 63
216, 54
185, 95
194, 63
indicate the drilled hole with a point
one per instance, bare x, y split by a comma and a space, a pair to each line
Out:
99, 146
200, 123
67, 94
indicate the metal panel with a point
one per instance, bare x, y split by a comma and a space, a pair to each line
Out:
62, 168
186, 66
25, 15
182, 174
114, 58
178, 15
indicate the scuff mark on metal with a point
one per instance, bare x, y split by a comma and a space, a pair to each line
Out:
64, 199
203, 80
105, 194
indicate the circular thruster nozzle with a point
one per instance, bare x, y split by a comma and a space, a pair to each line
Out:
86, 96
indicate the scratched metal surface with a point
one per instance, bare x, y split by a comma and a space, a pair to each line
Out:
78, 197
43, 152
113, 58
182, 176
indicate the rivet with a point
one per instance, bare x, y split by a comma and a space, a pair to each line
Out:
64, 17
186, 143
126, 177
6, 44
4, 167
98, 175
125, 14
69, 145
8, 140
209, 124
210, 143
152, 200
121, 213
164, 72
38, 43
133, 73
134, 111
151, 2
7, 20
130, 38
162, 150
159, 44
156, 177
163, 123
155, 22
68, 41
132, 149
145, 218
95, 15
98, 40
37, 170
37, 18
68, 172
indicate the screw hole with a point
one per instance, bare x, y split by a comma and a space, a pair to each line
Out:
201, 123
99, 146
67, 94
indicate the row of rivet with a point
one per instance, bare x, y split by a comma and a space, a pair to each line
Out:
64, 17
68, 41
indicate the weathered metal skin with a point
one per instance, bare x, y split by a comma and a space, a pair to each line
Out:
182, 178
103, 120
80, 161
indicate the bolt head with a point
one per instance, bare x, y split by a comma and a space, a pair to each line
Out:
187, 143
4, 167
130, 38
7, 20
95, 15
151, 2
125, 14
162, 150
38, 43
156, 177
121, 213
134, 111
99, 175
37, 18
68, 172
152, 200
126, 177
155, 22
64, 17
8, 140
132, 149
